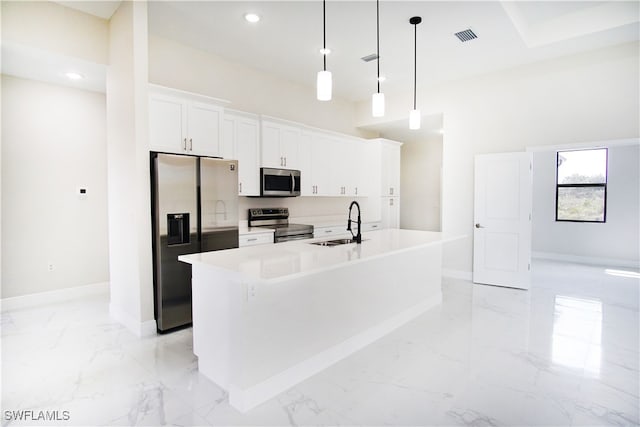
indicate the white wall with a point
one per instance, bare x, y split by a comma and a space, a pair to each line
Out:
421, 163
54, 28
615, 241
54, 141
131, 277
182, 67
586, 97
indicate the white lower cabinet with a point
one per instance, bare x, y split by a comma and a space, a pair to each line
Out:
254, 239
333, 231
390, 210
371, 226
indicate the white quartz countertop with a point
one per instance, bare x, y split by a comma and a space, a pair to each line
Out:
284, 260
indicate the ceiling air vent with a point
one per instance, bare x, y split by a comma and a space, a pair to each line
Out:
370, 58
466, 35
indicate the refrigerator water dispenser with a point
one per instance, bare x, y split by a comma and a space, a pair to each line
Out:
177, 229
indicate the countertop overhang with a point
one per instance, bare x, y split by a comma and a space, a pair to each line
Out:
272, 263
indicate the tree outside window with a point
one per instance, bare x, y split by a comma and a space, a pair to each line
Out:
581, 185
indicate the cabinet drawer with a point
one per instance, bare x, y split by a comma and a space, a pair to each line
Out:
371, 226
332, 231
255, 239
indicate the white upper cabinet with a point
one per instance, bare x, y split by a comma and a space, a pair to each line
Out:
340, 166
323, 165
184, 123
280, 145
167, 122
241, 141
305, 160
390, 168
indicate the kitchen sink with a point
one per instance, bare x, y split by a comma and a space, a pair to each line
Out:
335, 242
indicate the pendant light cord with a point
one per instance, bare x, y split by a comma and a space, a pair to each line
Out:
324, 36
378, 39
415, 62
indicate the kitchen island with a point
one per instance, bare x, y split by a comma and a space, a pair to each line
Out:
267, 317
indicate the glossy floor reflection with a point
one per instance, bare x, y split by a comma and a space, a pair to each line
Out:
564, 353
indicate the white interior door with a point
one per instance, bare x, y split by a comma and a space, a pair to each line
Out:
502, 219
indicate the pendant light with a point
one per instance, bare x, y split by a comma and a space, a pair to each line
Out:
323, 83
377, 101
414, 115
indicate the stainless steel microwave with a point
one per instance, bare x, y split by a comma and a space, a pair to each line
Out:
279, 182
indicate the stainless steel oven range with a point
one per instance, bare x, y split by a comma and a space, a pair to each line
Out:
278, 219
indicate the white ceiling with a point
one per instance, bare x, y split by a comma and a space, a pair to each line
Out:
286, 41
41, 65
103, 9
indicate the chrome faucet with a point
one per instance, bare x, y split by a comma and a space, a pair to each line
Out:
358, 237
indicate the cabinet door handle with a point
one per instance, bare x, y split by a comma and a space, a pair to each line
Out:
190, 144
391, 191
285, 161
356, 191
390, 202
328, 231
240, 186
281, 161
254, 239
185, 144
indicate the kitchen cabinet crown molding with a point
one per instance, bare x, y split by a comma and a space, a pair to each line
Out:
244, 114
188, 96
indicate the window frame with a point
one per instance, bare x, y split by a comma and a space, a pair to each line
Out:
595, 185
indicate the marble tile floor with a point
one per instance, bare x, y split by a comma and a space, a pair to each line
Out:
565, 353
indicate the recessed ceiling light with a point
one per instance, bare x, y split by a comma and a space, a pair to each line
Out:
325, 51
251, 17
71, 75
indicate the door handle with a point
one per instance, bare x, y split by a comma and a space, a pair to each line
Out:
479, 226
190, 144
293, 183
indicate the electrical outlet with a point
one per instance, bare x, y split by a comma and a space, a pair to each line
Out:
50, 266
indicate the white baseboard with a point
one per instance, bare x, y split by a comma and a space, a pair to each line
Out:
610, 262
52, 297
139, 329
246, 399
457, 274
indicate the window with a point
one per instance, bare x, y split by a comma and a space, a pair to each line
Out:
581, 185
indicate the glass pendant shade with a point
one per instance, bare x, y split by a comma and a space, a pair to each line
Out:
324, 84
414, 119
377, 105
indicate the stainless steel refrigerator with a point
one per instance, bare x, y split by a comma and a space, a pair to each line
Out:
194, 209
